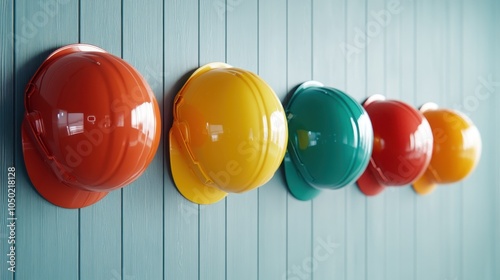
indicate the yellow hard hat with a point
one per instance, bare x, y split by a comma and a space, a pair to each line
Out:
229, 133
457, 148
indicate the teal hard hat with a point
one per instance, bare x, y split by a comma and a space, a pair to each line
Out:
330, 140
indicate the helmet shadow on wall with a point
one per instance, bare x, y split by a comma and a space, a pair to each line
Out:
285, 102
289, 95
168, 103
23, 75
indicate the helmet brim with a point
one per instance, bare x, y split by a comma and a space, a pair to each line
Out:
298, 187
424, 186
47, 184
186, 181
368, 184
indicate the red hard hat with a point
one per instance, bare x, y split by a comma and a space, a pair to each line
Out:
402, 145
91, 125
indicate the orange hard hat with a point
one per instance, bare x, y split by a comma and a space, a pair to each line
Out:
457, 148
92, 125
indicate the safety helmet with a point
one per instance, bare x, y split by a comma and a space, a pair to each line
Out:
457, 148
402, 145
91, 125
229, 133
330, 139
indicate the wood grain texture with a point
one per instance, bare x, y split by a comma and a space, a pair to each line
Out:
48, 235
496, 151
272, 197
479, 188
439, 51
180, 58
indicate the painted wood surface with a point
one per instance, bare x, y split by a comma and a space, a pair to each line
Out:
411, 50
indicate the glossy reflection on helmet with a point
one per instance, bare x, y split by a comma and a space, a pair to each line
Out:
457, 148
402, 145
92, 125
330, 140
229, 133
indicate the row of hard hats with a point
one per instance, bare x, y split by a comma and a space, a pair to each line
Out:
92, 125
334, 141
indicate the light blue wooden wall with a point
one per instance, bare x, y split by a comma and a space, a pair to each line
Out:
428, 51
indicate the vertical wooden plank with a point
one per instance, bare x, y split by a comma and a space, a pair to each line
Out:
181, 239
407, 196
212, 228
430, 77
451, 194
100, 224
142, 247
356, 202
272, 245
377, 19
241, 211
328, 38
272, 197
100, 24
478, 205
212, 239
299, 69
399, 200
496, 98
47, 234
428, 80
329, 207
393, 12
8, 132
